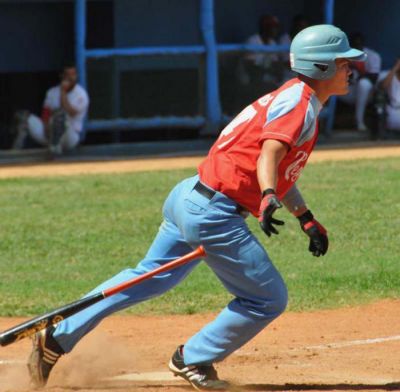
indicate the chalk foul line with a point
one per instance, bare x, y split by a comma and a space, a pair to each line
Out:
354, 343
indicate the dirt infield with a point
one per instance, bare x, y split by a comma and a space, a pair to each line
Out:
134, 165
350, 349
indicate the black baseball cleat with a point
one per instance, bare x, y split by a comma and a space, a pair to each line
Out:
45, 353
201, 377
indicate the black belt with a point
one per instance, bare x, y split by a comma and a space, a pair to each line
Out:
205, 191
209, 194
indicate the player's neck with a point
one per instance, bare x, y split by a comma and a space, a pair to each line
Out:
319, 88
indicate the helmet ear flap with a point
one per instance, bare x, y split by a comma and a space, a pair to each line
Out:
321, 67
325, 70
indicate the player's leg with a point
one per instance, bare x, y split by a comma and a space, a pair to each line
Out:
36, 130
24, 124
19, 128
243, 266
364, 89
260, 297
392, 118
167, 246
58, 125
70, 139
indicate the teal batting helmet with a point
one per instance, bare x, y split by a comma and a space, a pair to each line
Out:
314, 50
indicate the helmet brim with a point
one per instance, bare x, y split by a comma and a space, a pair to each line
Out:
353, 54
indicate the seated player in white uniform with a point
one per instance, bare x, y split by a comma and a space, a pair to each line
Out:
256, 68
390, 82
363, 80
63, 113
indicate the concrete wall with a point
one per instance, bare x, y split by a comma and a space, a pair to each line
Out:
378, 20
35, 36
156, 22
38, 35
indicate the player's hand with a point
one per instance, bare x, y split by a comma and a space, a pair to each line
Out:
65, 85
269, 204
316, 232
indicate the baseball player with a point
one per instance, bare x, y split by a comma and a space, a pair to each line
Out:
251, 169
390, 83
363, 81
61, 122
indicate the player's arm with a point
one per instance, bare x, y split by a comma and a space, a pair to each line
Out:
317, 233
46, 112
46, 109
271, 155
64, 99
45, 115
387, 81
294, 202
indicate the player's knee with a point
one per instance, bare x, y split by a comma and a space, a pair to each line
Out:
275, 302
281, 298
364, 85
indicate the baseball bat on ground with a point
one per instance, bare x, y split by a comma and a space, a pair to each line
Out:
36, 324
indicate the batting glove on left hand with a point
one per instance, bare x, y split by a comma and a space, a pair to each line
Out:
269, 204
318, 235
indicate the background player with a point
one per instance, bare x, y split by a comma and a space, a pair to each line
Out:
390, 83
363, 81
252, 168
61, 122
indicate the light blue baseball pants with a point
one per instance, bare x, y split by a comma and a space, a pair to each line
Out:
232, 252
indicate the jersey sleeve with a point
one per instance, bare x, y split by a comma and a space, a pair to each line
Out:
285, 118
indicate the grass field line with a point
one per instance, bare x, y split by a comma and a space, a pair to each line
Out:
139, 165
353, 343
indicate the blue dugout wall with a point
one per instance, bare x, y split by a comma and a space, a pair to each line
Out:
184, 27
39, 35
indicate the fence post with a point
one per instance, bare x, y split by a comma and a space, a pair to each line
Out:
80, 39
329, 13
212, 104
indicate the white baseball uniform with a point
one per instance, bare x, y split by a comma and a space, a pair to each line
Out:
393, 107
261, 59
78, 99
360, 91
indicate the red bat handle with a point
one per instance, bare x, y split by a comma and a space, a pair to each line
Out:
196, 254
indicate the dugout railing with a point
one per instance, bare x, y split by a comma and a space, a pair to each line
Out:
212, 118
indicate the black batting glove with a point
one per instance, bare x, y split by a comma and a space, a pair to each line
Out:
269, 204
316, 232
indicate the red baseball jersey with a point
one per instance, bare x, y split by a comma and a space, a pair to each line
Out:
288, 114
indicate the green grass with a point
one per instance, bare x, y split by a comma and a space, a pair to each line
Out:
60, 237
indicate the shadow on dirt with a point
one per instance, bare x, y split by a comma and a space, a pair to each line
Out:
321, 387
247, 387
